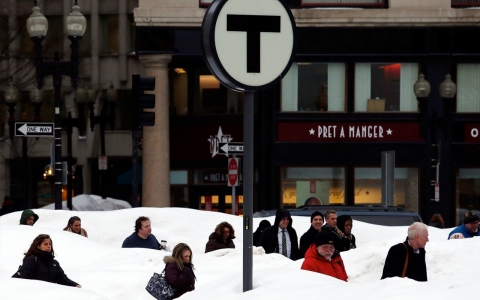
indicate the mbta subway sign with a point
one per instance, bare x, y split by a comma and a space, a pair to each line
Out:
248, 44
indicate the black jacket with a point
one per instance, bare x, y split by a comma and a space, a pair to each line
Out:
269, 238
341, 244
44, 268
395, 261
183, 281
307, 239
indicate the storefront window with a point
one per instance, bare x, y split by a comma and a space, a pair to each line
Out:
385, 87
314, 87
109, 39
313, 186
368, 187
468, 88
179, 80
468, 192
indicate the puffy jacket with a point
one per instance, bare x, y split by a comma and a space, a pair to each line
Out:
215, 242
44, 268
316, 263
183, 281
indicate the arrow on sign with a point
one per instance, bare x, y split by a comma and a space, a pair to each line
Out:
231, 148
34, 129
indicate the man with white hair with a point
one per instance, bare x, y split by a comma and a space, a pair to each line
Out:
407, 259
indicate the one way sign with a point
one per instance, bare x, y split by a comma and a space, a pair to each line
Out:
34, 129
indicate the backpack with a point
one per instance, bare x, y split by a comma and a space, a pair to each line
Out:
17, 274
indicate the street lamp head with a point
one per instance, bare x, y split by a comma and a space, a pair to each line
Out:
421, 88
91, 95
37, 24
448, 88
36, 95
76, 23
11, 93
81, 95
112, 94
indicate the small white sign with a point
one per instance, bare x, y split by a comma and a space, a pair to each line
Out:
102, 162
437, 192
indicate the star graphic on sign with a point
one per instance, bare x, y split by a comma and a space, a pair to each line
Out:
216, 140
312, 132
389, 131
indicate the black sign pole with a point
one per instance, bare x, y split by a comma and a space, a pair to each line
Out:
248, 190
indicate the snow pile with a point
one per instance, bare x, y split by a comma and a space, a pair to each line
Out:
92, 203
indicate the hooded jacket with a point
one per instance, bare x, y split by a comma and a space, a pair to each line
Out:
25, 214
316, 263
269, 237
183, 281
216, 242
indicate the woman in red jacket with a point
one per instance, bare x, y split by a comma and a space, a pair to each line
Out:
179, 270
321, 257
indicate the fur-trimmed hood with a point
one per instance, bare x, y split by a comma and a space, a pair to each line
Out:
169, 259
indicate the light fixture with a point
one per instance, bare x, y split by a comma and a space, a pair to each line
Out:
112, 94
36, 95
76, 22
448, 88
180, 71
81, 95
37, 24
421, 88
11, 93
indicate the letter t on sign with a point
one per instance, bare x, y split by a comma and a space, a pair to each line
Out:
253, 25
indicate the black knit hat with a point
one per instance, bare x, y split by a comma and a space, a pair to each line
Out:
316, 213
470, 217
323, 238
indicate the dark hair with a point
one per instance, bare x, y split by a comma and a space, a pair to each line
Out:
33, 250
437, 221
138, 223
71, 221
221, 226
341, 220
178, 252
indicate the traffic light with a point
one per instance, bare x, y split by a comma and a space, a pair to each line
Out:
141, 100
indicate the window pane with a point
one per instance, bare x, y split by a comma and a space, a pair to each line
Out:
468, 88
381, 87
314, 87
313, 186
109, 24
368, 187
179, 92
468, 187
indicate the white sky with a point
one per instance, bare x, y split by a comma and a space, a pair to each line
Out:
106, 271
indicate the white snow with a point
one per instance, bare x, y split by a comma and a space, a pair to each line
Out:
106, 271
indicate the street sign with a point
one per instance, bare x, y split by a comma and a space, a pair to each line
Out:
34, 129
233, 172
248, 44
231, 148
102, 162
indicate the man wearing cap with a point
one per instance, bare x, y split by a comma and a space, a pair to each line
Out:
321, 257
468, 229
28, 217
281, 237
308, 238
407, 259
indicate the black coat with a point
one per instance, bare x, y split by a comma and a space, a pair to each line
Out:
269, 237
307, 239
341, 244
183, 281
395, 261
44, 268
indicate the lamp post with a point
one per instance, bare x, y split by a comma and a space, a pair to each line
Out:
37, 27
103, 119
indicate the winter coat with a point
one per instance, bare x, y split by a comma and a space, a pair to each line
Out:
307, 239
183, 281
258, 233
44, 268
215, 242
395, 262
134, 241
83, 232
316, 263
342, 243
269, 238
25, 214
463, 230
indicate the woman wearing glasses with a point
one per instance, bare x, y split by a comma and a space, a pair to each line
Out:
39, 263
221, 238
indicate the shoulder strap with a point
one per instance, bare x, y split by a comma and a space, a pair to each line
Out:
406, 261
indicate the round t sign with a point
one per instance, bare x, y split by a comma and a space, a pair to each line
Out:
248, 44
232, 172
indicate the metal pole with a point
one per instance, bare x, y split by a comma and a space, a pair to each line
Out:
57, 84
135, 136
103, 174
248, 190
69, 161
233, 189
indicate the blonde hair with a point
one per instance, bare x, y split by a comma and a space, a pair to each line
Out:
178, 252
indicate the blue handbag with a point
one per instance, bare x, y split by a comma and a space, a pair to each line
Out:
159, 288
